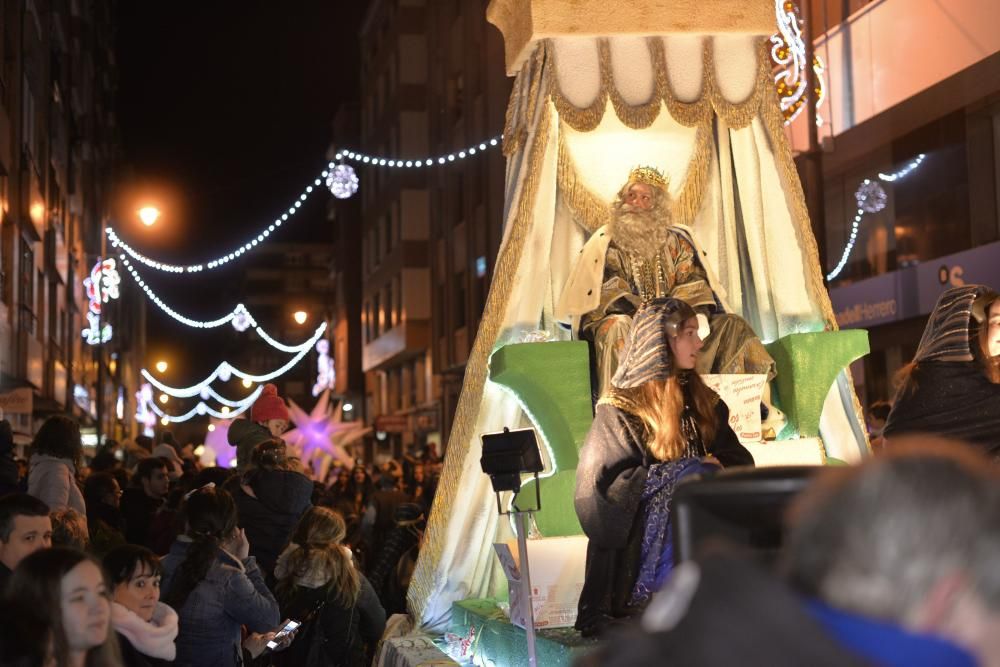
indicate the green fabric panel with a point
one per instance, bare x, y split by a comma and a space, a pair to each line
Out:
499, 642
552, 382
808, 364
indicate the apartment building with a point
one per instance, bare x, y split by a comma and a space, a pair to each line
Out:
58, 149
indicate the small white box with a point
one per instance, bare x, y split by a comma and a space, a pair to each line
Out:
557, 569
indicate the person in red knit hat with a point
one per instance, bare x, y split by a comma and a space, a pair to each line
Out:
268, 419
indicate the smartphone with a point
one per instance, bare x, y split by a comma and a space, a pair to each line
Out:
289, 628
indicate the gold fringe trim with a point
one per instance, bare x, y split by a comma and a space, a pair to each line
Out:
688, 114
737, 115
513, 128
589, 211
636, 117
774, 126
691, 199
426, 575
581, 120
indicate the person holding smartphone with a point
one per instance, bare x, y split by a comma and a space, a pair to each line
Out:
214, 583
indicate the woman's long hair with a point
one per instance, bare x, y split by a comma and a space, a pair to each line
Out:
210, 516
319, 536
33, 604
660, 405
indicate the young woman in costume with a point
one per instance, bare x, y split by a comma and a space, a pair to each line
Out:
658, 424
952, 386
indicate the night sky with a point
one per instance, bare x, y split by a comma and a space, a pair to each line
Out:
225, 112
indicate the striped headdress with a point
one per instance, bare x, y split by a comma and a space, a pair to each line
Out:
946, 337
647, 355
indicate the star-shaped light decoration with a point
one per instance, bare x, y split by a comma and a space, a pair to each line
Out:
217, 445
321, 433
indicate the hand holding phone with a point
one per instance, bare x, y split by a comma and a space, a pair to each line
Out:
283, 637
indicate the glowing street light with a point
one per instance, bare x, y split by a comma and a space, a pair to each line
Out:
300, 316
247, 383
164, 398
225, 409
211, 427
348, 407
149, 215
161, 366
164, 421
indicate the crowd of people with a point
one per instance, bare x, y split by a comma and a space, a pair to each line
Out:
140, 557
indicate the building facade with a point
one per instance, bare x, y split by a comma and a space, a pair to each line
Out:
58, 151
432, 84
910, 163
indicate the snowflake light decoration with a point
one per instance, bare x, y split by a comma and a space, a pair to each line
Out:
342, 181
870, 196
241, 319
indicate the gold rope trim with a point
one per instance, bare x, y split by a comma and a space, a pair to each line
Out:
425, 575
688, 114
738, 115
582, 120
636, 117
588, 210
774, 125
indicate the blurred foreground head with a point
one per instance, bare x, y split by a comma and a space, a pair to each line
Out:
912, 537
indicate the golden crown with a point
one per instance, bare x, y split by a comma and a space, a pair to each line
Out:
649, 176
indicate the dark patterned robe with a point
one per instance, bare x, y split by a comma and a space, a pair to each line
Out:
610, 479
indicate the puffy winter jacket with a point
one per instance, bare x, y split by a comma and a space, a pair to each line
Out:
53, 481
279, 498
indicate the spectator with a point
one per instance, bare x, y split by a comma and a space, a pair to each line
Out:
69, 529
268, 419
104, 518
170, 451
56, 611
145, 626
214, 583
385, 502
57, 453
141, 449
901, 555
144, 498
25, 527
9, 478
317, 580
271, 499
360, 490
394, 563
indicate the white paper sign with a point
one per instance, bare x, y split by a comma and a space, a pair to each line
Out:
742, 394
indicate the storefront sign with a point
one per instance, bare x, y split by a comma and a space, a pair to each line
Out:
913, 291
16, 402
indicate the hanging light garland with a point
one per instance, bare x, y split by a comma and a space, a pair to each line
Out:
340, 179
202, 409
225, 371
239, 317
871, 198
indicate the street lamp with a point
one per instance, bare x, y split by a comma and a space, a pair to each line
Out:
149, 215
161, 366
300, 316
164, 398
247, 383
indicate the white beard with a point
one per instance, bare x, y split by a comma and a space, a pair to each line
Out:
639, 232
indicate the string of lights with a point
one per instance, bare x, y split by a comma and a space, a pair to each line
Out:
202, 409
871, 198
239, 317
382, 161
342, 182
225, 371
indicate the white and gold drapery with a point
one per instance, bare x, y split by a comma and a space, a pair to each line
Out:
584, 111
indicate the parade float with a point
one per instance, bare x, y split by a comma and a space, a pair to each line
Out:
687, 88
